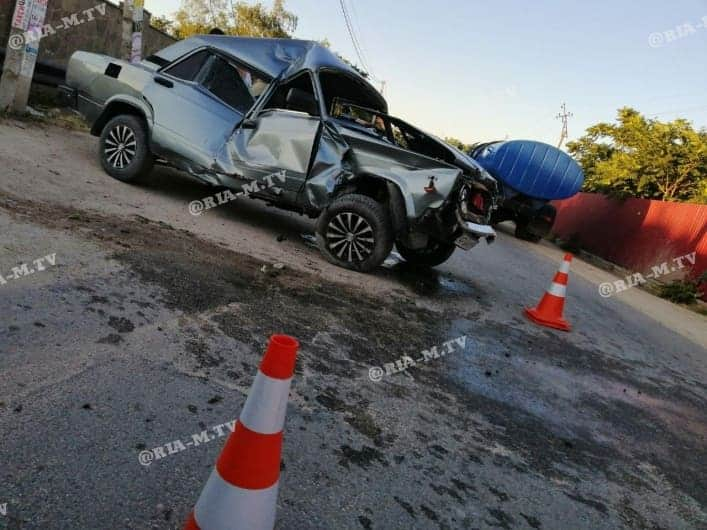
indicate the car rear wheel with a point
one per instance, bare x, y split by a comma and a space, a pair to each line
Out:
435, 253
123, 148
522, 232
355, 232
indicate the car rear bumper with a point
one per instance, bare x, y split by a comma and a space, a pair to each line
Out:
68, 97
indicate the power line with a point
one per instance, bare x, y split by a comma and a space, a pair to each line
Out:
359, 34
352, 34
699, 107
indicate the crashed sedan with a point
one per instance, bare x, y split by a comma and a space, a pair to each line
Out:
234, 111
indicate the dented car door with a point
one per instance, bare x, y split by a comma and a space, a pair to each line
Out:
280, 135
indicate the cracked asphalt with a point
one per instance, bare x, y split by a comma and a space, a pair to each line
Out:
149, 328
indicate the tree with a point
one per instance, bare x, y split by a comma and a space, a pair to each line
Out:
641, 157
163, 24
465, 148
243, 19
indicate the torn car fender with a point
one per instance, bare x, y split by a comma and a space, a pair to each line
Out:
337, 163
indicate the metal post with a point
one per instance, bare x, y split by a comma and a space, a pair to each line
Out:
127, 34
21, 54
564, 115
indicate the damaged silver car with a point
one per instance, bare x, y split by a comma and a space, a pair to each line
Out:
233, 111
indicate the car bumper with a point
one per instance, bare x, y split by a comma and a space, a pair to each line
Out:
473, 232
68, 97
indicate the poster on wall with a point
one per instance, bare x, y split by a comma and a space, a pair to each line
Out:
20, 18
37, 13
136, 47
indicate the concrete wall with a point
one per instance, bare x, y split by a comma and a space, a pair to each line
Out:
101, 35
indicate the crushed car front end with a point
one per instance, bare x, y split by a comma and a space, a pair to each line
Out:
447, 198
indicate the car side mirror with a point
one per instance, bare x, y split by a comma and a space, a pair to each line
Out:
301, 100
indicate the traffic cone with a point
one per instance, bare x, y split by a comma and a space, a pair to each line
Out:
549, 311
241, 492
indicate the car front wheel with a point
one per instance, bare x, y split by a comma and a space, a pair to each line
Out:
355, 232
123, 148
435, 253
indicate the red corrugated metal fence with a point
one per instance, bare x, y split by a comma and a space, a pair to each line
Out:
636, 233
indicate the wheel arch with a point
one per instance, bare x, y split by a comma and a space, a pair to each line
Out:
118, 106
383, 190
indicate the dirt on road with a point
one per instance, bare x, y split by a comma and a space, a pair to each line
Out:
152, 324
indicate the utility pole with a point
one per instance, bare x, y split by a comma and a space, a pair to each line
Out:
563, 116
127, 33
21, 54
131, 49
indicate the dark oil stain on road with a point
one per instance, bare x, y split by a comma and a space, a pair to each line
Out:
197, 277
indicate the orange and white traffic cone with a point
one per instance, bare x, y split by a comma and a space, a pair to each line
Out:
549, 311
241, 492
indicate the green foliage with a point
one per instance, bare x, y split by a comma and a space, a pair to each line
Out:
680, 292
683, 291
163, 24
243, 19
455, 142
196, 17
640, 157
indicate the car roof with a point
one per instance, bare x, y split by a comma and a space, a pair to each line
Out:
271, 56
274, 57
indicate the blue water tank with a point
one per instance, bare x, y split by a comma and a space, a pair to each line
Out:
532, 168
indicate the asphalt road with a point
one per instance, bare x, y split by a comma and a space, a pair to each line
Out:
149, 327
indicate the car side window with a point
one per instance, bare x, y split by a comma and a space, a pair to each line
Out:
224, 81
278, 99
190, 67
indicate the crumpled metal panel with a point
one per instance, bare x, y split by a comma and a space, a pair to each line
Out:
365, 156
279, 140
275, 57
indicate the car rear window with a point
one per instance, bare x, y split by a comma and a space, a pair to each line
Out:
188, 68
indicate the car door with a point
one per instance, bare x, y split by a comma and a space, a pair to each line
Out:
279, 138
197, 102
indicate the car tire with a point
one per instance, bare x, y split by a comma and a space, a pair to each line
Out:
123, 148
523, 233
355, 232
432, 255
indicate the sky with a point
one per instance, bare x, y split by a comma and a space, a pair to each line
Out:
480, 70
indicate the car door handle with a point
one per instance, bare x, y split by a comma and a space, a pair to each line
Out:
164, 82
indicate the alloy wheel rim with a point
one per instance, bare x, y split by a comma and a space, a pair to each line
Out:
350, 237
120, 146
